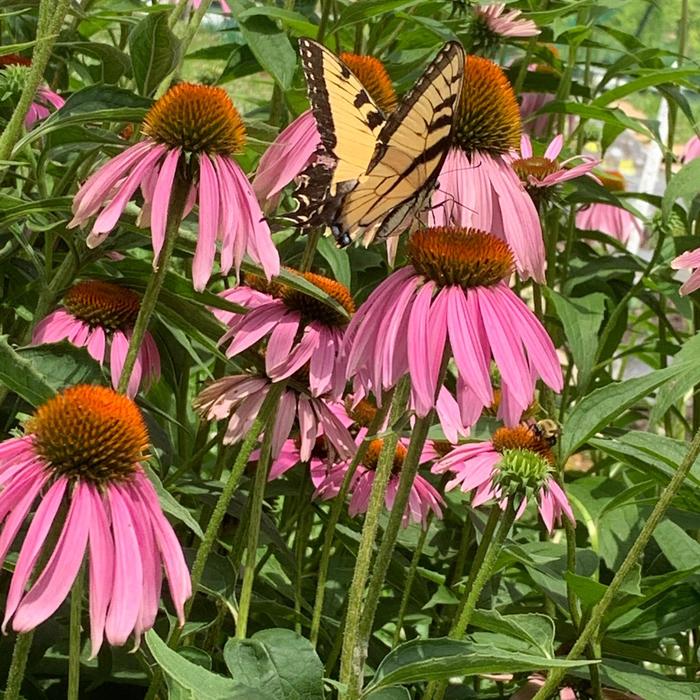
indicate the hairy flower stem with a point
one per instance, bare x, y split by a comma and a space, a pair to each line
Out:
74, 646
590, 631
334, 516
351, 663
51, 16
388, 541
410, 577
479, 575
176, 208
257, 496
15, 676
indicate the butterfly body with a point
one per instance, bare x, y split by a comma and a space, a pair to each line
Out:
374, 172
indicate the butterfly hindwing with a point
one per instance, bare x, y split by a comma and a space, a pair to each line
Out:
410, 150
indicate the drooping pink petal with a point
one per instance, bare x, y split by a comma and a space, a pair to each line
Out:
56, 580
128, 570
109, 217
161, 201
101, 568
205, 251
32, 545
96, 344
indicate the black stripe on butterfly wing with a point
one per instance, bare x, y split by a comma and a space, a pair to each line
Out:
402, 175
347, 118
448, 67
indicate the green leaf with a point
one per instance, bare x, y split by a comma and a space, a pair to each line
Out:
683, 185
675, 389
337, 259
655, 77
295, 21
439, 659
188, 681
533, 628
647, 685
603, 405
63, 365
588, 591
154, 51
395, 693
172, 506
681, 550
278, 661
269, 44
365, 9
20, 376
581, 318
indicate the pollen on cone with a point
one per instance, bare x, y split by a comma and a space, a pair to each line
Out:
196, 118
488, 119
90, 432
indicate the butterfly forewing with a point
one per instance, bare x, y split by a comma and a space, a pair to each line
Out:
410, 150
347, 118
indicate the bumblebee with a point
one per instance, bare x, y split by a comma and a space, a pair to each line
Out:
547, 430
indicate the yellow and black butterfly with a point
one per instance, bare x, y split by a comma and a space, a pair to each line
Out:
373, 173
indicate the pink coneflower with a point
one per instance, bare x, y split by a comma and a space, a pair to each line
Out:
691, 150
689, 260
295, 147
477, 186
423, 497
192, 132
608, 218
543, 172
515, 462
83, 450
100, 316
499, 22
454, 287
14, 70
238, 398
300, 330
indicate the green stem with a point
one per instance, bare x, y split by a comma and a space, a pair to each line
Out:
312, 240
301, 542
479, 575
334, 516
257, 497
323, 23
51, 16
150, 298
268, 408
409, 471
590, 631
15, 676
410, 577
350, 662
74, 645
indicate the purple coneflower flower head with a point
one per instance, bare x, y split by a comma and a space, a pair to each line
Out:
691, 150
82, 453
238, 398
422, 499
690, 260
608, 218
504, 23
100, 317
515, 464
300, 330
543, 172
192, 132
477, 186
13, 72
454, 288
296, 146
